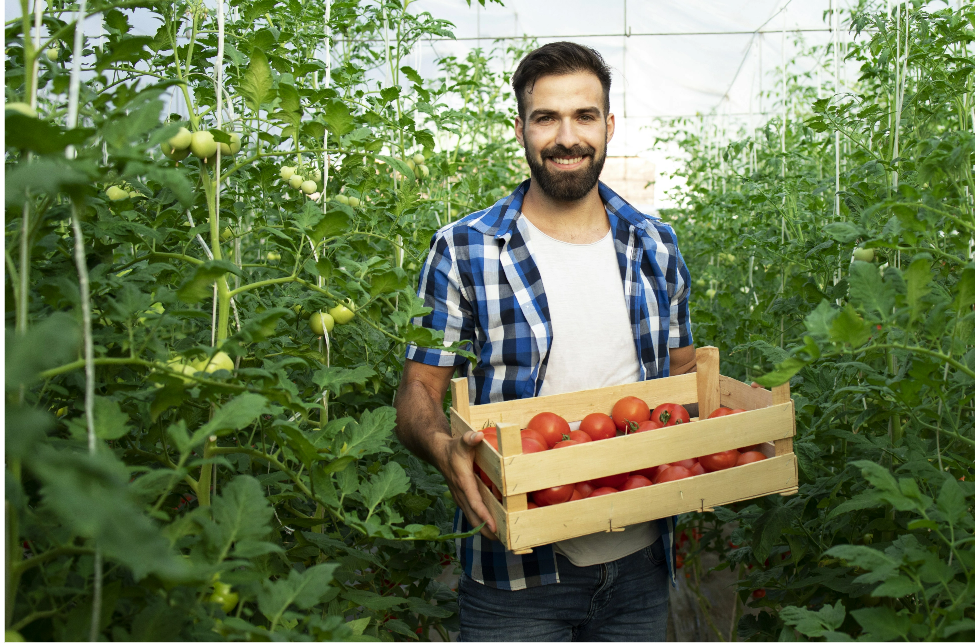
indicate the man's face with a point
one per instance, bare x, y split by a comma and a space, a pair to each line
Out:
565, 133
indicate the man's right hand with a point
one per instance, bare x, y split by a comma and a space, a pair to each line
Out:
455, 460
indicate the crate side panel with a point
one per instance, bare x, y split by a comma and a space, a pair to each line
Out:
536, 527
738, 395
497, 512
681, 389
484, 455
534, 471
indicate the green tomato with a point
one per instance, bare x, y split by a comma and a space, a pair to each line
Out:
227, 234
224, 597
202, 144
711, 293
274, 256
424, 170
864, 254
315, 175
115, 193
321, 323
219, 362
341, 314
173, 153
232, 148
296, 180
308, 187
181, 140
286, 172
23, 108
418, 159
341, 198
354, 202
411, 164
52, 54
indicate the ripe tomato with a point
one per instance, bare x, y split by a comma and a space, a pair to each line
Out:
528, 445
553, 495
697, 469
614, 481
585, 488
550, 426
648, 425
598, 426
495, 493
719, 461
748, 457
758, 593
671, 473
580, 436
603, 491
576, 495
723, 411
490, 430
650, 473
483, 476
536, 436
566, 443
532, 505
687, 464
679, 561
491, 439
670, 414
635, 482
630, 409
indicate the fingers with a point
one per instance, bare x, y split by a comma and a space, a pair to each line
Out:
472, 438
756, 385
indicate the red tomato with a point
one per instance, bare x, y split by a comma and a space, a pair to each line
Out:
610, 481
748, 457
758, 593
553, 496
532, 505
490, 429
585, 488
719, 461
670, 414
576, 495
495, 492
679, 561
635, 482
630, 409
603, 491
723, 411
491, 439
697, 469
648, 473
550, 426
648, 425
535, 435
484, 478
528, 445
566, 443
671, 473
598, 426
580, 436
687, 464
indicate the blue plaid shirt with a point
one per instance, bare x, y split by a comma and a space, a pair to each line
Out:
484, 287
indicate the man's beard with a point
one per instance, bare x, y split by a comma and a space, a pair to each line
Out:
566, 186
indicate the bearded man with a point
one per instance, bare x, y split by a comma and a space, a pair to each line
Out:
561, 286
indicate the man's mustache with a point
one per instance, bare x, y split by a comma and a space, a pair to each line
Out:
560, 151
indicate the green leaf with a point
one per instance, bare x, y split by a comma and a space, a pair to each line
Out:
304, 589
335, 223
966, 289
358, 626
895, 587
918, 276
110, 422
200, 284
964, 625
232, 416
369, 435
883, 623
338, 117
951, 501
256, 84
298, 443
768, 530
372, 600
50, 343
24, 428
412, 75
813, 624
820, 320
869, 290
880, 565
39, 136
844, 232
390, 482
334, 377
387, 281
783, 372
849, 328
401, 628
241, 513
399, 166
47, 175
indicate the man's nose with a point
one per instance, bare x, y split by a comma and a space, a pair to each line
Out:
567, 135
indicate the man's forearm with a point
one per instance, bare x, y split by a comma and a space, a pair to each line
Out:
421, 424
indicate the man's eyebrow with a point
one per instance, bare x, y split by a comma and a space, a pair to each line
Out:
536, 113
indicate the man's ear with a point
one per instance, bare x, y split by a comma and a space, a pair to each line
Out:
610, 126
520, 130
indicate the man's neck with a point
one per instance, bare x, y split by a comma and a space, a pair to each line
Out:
581, 221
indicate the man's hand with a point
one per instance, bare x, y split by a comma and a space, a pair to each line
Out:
423, 429
456, 463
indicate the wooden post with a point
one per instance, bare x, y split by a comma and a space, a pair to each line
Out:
708, 389
782, 395
460, 398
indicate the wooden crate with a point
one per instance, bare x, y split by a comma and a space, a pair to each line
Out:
769, 419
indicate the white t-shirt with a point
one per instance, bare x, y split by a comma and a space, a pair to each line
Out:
592, 347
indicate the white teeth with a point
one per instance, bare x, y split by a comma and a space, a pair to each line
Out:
567, 161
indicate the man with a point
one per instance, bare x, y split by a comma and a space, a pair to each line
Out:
561, 286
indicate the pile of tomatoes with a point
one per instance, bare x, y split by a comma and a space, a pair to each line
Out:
548, 431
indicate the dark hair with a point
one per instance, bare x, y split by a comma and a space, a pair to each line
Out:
557, 59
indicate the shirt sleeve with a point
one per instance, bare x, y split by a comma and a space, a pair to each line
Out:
440, 288
680, 315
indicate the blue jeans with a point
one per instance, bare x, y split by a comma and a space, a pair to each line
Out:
625, 600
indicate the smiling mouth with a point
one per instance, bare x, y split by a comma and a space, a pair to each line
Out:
566, 161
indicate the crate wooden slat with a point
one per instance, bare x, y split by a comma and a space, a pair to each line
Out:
769, 421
